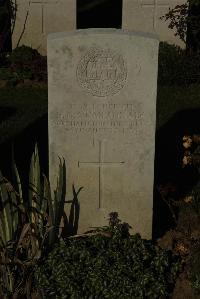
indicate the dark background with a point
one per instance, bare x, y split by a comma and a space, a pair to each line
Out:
99, 14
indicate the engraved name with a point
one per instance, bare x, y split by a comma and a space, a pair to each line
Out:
99, 117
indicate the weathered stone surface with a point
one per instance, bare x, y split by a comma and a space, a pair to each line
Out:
144, 16
37, 18
102, 110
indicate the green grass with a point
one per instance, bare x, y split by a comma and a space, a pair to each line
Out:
29, 104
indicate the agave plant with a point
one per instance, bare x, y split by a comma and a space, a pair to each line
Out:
8, 228
56, 204
40, 198
20, 238
27, 226
8, 211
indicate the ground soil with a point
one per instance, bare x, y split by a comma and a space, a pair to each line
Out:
22, 83
182, 241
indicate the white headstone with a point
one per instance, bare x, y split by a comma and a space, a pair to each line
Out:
37, 18
144, 15
102, 111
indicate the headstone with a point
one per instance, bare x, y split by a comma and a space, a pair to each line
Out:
144, 15
102, 110
37, 18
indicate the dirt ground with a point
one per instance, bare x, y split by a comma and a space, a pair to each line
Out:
181, 241
22, 83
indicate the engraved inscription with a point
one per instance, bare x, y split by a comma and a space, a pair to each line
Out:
101, 72
99, 118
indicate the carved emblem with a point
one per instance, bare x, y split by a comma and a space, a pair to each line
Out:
102, 72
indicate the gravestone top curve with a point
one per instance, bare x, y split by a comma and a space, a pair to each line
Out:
89, 31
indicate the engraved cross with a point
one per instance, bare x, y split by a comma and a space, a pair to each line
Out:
43, 3
100, 164
155, 5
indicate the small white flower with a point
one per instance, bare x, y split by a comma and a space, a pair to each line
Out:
187, 141
187, 160
188, 199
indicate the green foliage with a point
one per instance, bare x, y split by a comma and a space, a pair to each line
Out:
23, 55
28, 227
56, 204
180, 19
177, 67
21, 238
8, 212
7, 74
194, 274
99, 266
191, 158
27, 63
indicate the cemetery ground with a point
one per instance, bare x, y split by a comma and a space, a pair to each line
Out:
176, 226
